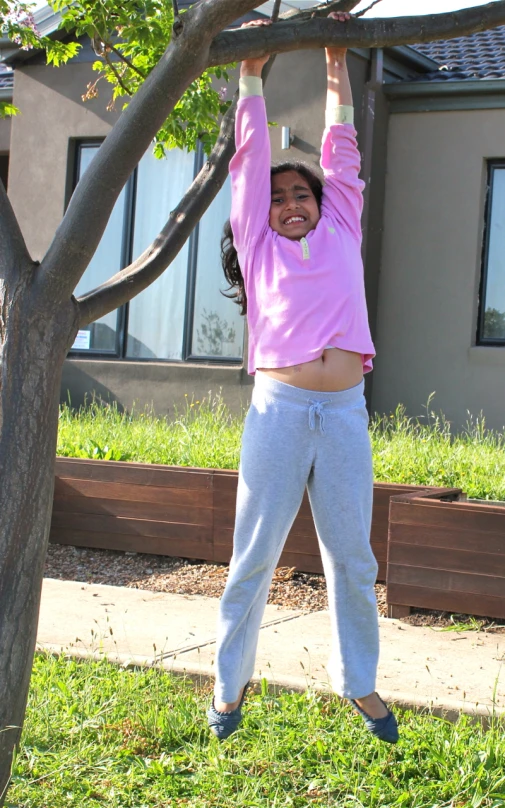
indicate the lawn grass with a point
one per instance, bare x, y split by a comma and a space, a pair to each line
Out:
97, 734
205, 434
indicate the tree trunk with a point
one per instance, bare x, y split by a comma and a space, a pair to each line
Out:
34, 339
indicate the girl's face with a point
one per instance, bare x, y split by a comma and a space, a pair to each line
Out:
293, 210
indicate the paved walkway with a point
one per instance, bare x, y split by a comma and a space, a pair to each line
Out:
419, 667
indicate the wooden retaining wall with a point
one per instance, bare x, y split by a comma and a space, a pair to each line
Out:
178, 511
446, 553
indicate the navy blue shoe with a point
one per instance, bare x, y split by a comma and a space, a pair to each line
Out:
225, 724
384, 728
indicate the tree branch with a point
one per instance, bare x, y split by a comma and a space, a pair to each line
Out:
275, 11
153, 261
14, 253
87, 215
321, 10
368, 8
293, 34
116, 73
130, 64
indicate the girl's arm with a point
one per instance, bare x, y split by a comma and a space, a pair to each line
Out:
340, 158
250, 166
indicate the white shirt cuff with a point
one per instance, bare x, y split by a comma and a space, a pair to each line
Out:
250, 85
340, 114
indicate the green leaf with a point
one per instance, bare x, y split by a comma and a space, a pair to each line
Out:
7, 109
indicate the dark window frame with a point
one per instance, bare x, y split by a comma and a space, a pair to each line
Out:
188, 357
481, 340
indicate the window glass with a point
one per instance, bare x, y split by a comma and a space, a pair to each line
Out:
493, 321
101, 335
218, 328
156, 316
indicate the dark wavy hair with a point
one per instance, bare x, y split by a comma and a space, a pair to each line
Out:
229, 258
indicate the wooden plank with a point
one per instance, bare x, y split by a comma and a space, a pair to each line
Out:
380, 552
138, 527
446, 580
303, 563
225, 480
452, 560
225, 500
137, 510
456, 515
429, 536
135, 473
198, 498
395, 611
380, 522
176, 548
225, 518
382, 492
423, 598
299, 544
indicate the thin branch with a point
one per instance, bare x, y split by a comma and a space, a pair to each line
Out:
293, 34
14, 253
275, 11
368, 8
157, 257
116, 73
320, 11
127, 61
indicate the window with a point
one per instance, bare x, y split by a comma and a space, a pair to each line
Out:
182, 316
491, 326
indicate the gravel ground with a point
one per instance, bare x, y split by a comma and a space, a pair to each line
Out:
290, 589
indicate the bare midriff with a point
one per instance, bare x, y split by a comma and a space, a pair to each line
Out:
334, 370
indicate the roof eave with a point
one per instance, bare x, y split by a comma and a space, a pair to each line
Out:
409, 56
449, 87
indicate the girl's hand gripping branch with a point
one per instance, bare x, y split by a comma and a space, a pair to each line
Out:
253, 67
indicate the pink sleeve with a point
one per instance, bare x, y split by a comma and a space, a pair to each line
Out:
343, 189
250, 173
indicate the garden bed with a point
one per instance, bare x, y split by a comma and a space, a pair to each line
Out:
446, 553
176, 511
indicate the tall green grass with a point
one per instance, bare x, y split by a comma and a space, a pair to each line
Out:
205, 433
97, 735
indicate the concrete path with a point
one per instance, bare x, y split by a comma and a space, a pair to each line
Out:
446, 671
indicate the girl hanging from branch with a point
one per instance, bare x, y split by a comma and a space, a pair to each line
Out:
292, 252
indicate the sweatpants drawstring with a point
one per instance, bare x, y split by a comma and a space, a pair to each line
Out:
316, 408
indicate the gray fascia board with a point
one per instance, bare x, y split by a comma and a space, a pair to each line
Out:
431, 96
47, 20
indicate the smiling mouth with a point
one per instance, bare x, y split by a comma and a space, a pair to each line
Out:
295, 220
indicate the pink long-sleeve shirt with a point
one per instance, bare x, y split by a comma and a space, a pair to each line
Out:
305, 295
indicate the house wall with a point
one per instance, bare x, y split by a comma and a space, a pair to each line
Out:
54, 116
5, 134
431, 264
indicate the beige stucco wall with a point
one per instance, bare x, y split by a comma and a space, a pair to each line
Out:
5, 134
431, 263
52, 112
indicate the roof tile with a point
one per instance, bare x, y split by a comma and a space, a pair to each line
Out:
480, 55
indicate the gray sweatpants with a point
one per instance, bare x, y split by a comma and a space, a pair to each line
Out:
296, 438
